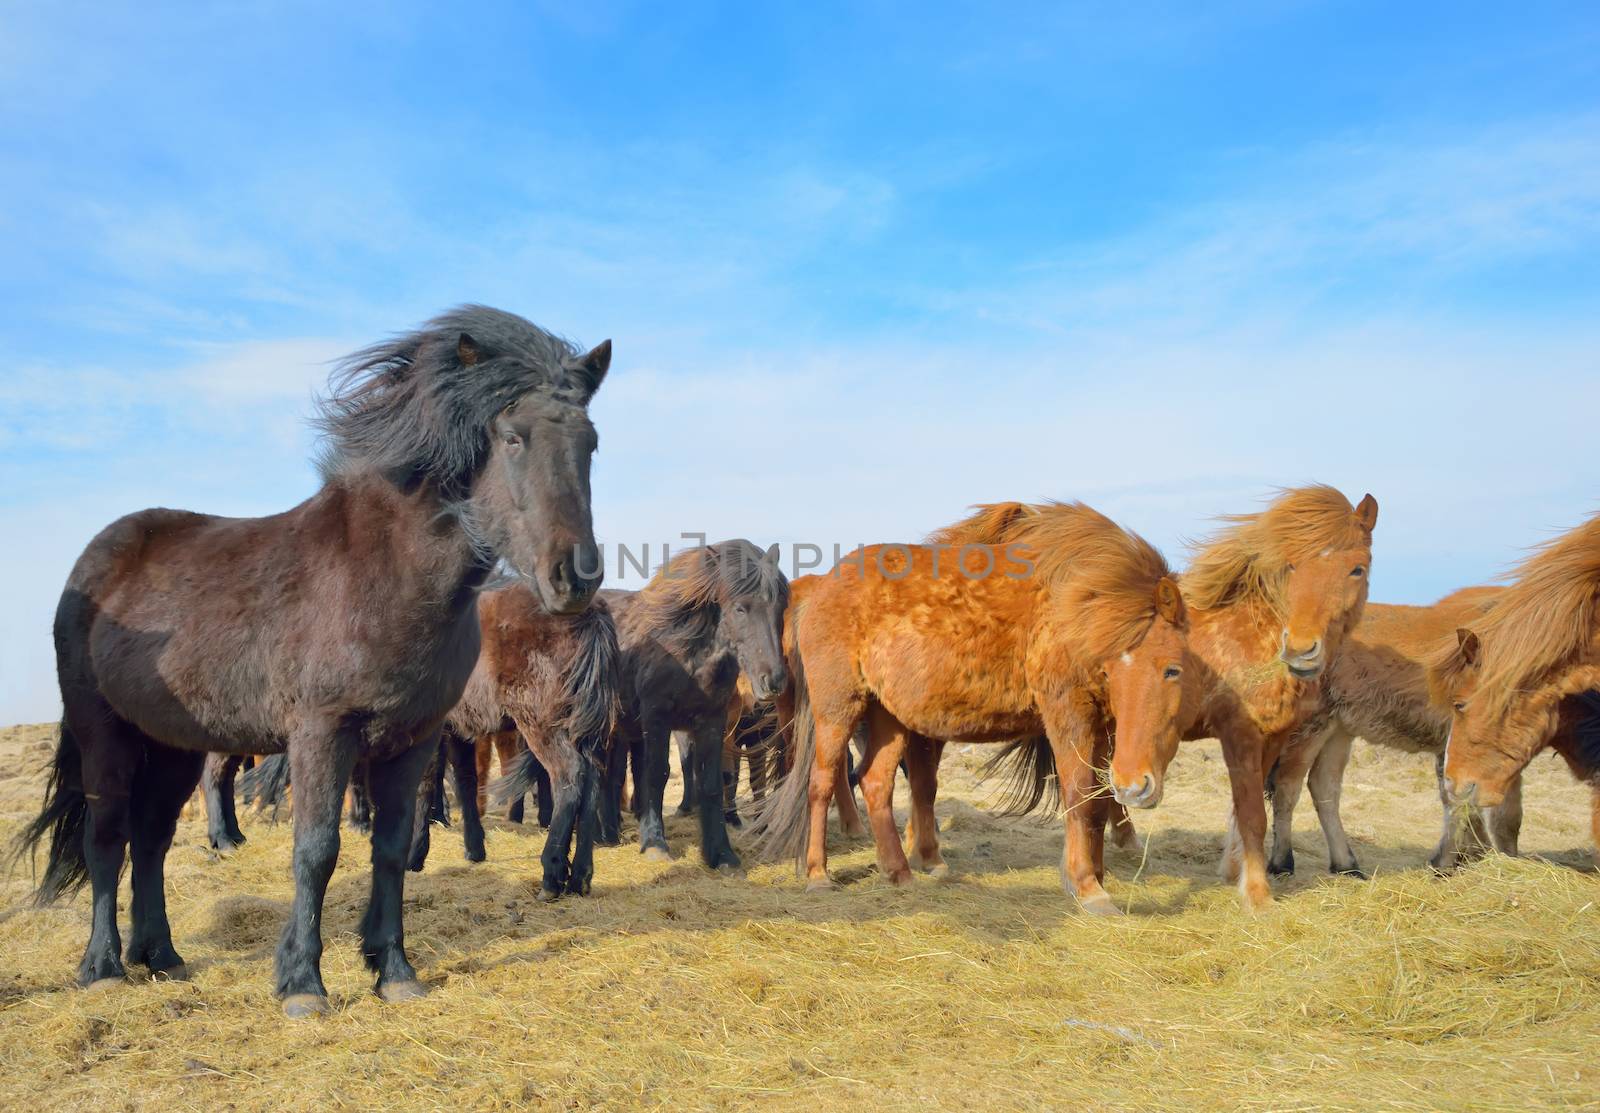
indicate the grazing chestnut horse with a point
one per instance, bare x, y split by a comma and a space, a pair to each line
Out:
1271, 599
1377, 689
553, 678
341, 630
1072, 615
709, 614
1526, 676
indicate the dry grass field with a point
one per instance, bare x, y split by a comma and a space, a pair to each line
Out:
984, 991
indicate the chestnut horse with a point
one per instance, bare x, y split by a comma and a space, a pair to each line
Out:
1526, 676
343, 629
1377, 689
554, 679
981, 644
709, 614
1271, 599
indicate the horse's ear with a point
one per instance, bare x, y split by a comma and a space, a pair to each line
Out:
1169, 600
467, 349
1468, 646
1367, 513
593, 365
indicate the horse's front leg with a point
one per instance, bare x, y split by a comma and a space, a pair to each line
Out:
1243, 750
394, 801
320, 760
705, 739
649, 787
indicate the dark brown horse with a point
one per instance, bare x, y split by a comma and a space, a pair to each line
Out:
341, 630
553, 678
711, 613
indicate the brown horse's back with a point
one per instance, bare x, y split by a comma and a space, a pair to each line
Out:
1378, 686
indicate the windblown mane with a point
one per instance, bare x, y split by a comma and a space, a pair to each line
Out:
696, 579
411, 408
987, 526
1542, 621
1103, 576
1250, 558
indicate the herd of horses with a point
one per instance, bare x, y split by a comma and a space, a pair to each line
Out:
437, 602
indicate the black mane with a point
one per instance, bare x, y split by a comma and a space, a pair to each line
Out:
412, 409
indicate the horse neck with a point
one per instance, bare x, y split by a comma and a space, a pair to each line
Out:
1238, 644
414, 539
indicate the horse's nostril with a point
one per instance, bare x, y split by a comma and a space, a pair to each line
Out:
1148, 787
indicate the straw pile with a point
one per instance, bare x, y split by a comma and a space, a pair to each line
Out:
670, 987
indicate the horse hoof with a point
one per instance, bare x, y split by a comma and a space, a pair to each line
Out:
1351, 871
546, 896
821, 885
304, 1006
1101, 905
395, 992
726, 867
657, 854
178, 973
940, 870
900, 877
100, 985
1281, 869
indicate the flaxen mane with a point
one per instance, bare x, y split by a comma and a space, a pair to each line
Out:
418, 406
1102, 576
1540, 623
1250, 558
696, 579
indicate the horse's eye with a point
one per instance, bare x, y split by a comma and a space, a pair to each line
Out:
1461, 706
1358, 571
740, 608
512, 440
1172, 673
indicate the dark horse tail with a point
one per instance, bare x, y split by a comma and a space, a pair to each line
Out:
592, 695
265, 781
64, 816
781, 824
1027, 768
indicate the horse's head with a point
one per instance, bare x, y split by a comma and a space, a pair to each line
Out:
1147, 688
533, 497
1491, 740
752, 594
1323, 593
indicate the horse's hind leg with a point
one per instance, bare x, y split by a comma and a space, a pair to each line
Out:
319, 766
1327, 784
394, 800
922, 832
216, 785
463, 753
110, 751
1505, 818
886, 746
163, 783
543, 797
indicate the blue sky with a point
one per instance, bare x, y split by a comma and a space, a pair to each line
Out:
863, 264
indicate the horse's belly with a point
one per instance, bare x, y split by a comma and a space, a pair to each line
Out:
948, 695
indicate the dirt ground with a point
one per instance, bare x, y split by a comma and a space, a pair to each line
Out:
670, 987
